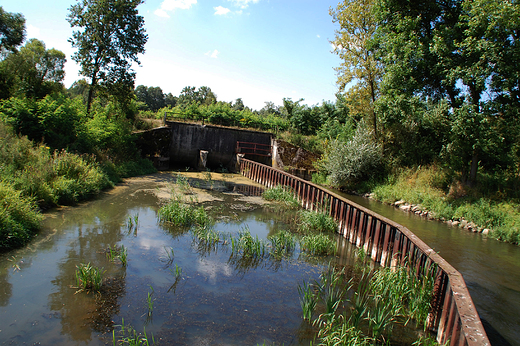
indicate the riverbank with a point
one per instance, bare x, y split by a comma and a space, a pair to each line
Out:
425, 191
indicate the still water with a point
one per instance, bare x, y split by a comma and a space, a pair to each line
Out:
215, 300
490, 268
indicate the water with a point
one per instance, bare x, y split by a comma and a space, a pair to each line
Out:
490, 268
215, 300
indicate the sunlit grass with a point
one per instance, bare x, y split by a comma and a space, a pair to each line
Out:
283, 195
88, 277
316, 221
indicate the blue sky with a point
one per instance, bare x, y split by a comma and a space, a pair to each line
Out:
258, 50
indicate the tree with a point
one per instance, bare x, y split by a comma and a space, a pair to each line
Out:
155, 98
238, 105
353, 43
12, 30
35, 71
111, 37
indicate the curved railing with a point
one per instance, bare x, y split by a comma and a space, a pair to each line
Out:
452, 316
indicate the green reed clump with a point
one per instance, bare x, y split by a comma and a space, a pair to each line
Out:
150, 301
115, 253
19, 218
282, 194
184, 184
308, 300
247, 245
283, 244
316, 221
130, 337
380, 300
88, 277
182, 214
318, 245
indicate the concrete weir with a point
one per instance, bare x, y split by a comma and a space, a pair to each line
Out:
201, 146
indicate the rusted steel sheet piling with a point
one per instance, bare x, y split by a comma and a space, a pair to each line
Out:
453, 315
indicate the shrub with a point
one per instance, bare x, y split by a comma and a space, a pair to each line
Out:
19, 218
347, 163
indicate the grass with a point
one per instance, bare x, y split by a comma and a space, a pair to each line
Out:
432, 189
247, 245
316, 221
150, 301
115, 253
182, 214
308, 300
283, 244
318, 245
88, 277
127, 335
283, 195
375, 304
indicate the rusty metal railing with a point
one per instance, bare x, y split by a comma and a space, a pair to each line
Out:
253, 148
453, 316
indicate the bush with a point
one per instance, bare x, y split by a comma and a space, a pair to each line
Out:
19, 218
347, 163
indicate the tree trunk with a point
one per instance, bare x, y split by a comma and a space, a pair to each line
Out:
472, 181
374, 117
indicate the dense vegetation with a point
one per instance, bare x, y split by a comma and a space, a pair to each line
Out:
425, 89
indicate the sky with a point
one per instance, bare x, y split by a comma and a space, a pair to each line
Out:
257, 50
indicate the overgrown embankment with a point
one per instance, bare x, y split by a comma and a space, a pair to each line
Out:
430, 189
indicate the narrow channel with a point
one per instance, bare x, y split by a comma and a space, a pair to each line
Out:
490, 268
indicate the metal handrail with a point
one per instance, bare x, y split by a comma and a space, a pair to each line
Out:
453, 316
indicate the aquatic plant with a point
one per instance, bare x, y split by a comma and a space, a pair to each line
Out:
329, 290
318, 245
248, 245
114, 253
184, 184
88, 277
169, 255
149, 301
282, 194
282, 244
181, 214
129, 336
308, 300
178, 270
316, 221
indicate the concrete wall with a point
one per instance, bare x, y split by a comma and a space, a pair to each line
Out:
188, 139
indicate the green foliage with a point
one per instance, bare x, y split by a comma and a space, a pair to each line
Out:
316, 222
121, 35
19, 217
283, 244
283, 195
88, 277
185, 215
347, 163
318, 245
129, 336
12, 29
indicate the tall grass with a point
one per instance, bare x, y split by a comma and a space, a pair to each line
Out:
182, 214
127, 335
318, 245
19, 217
283, 244
433, 189
283, 195
88, 277
375, 304
316, 221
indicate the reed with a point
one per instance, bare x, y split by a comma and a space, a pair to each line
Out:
114, 253
184, 184
88, 277
181, 214
250, 246
282, 194
308, 300
283, 244
316, 221
127, 335
150, 301
318, 245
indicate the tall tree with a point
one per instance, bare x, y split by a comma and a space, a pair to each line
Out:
353, 43
35, 71
110, 38
12, 30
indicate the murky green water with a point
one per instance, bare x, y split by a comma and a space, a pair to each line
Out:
215, 301
490, 268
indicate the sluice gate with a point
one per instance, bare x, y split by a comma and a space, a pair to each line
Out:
453, 315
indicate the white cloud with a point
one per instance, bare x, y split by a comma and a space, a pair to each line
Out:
213, 54
219, 11
243, 3
32, 31
318, 36
170, 5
